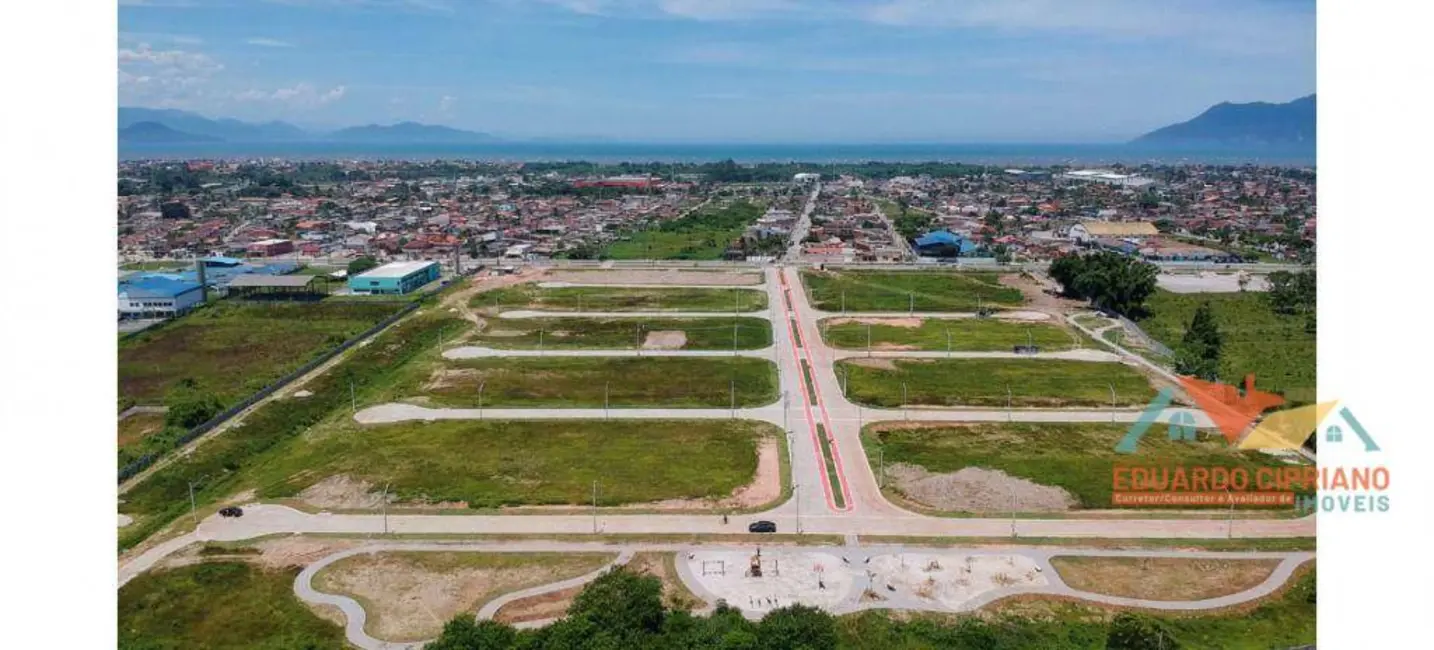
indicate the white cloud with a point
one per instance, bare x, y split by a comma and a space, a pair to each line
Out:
301, 95
447, 104
268, 42
723, 9
169, 61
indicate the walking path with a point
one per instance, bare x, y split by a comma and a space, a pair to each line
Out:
856, 581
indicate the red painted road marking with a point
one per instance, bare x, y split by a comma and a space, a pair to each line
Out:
806, 404
826, 420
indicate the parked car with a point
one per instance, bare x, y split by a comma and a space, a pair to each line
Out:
231, 511
762, 526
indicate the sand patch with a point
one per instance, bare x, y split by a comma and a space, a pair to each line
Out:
977, 489
553, 604
299, 551
880, 364
894, 346
344, 492
910, 323
665, 340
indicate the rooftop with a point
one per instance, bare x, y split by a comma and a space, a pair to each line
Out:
395, 269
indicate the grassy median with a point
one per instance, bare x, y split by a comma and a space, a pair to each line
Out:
576, 333
532, 296
592, 382
898, 291
957, 334
1047, 383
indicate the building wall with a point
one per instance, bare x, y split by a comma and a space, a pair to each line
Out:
395, 285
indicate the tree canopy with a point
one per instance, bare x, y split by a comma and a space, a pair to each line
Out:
1108, 280
1199, 352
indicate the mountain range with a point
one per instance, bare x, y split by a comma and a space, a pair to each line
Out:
1256, 123
167, 126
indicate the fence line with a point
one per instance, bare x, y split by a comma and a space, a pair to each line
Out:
142, 463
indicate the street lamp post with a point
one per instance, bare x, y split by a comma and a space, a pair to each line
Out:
595, 525
481, 384
384, 505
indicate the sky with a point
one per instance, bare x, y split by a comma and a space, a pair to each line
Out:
849, 71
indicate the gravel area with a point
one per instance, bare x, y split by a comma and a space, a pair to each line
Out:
976, 489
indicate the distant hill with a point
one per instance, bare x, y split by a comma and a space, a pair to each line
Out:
409, 133
226, 129
1255, 123
156, 133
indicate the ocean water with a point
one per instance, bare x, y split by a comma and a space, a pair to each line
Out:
612, 152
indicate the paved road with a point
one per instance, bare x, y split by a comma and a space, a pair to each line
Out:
854, 556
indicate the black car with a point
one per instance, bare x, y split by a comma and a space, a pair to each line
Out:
231, 511
763, 526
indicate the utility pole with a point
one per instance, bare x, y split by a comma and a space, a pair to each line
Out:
881, 467
1009, 416
798, 488
911, 302
843, 302
734, 398
540, 341
481, 384
785, 406
1112, 401
193, 507
734, 338
604, 399
595, 526
868, 340
904, 414
353, 399
1230, 520
384, 505
948, 342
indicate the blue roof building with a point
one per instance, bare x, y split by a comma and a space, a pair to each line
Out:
944, 243
157, 296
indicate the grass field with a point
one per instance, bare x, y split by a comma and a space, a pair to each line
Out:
899, 291
1276, 348
531, 296
224, 464
138, 426
580, 382
1162, 578
965, 334
575, 333
829, 464
1286, 620
220, 605
702, 235
983, 382
233, 349
1079, 457
495, 463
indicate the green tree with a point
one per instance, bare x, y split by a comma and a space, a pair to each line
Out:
1200, 348
189, 405
361, 264
464, 633
622, 604
174, 210
1137, 632
1293, 293
797, 627
1107, 279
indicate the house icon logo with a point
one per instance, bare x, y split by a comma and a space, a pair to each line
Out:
1236, 414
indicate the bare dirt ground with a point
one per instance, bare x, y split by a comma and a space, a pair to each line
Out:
1208, 282
409, 597
976, 489
663, 566
1155, 578
341, 491
1040, 296
272, 553
879, 364
890, 322
536, 608
658, 276
665, 340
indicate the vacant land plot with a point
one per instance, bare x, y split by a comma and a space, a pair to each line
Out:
958, 291
656, 276
702, 235
138, 426
408, 596
495, 463
233, 349
220, 605
957, 334
627, 333
1076, 457
1162, 578
984, 382
1278, 349
531, 296
578, 382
